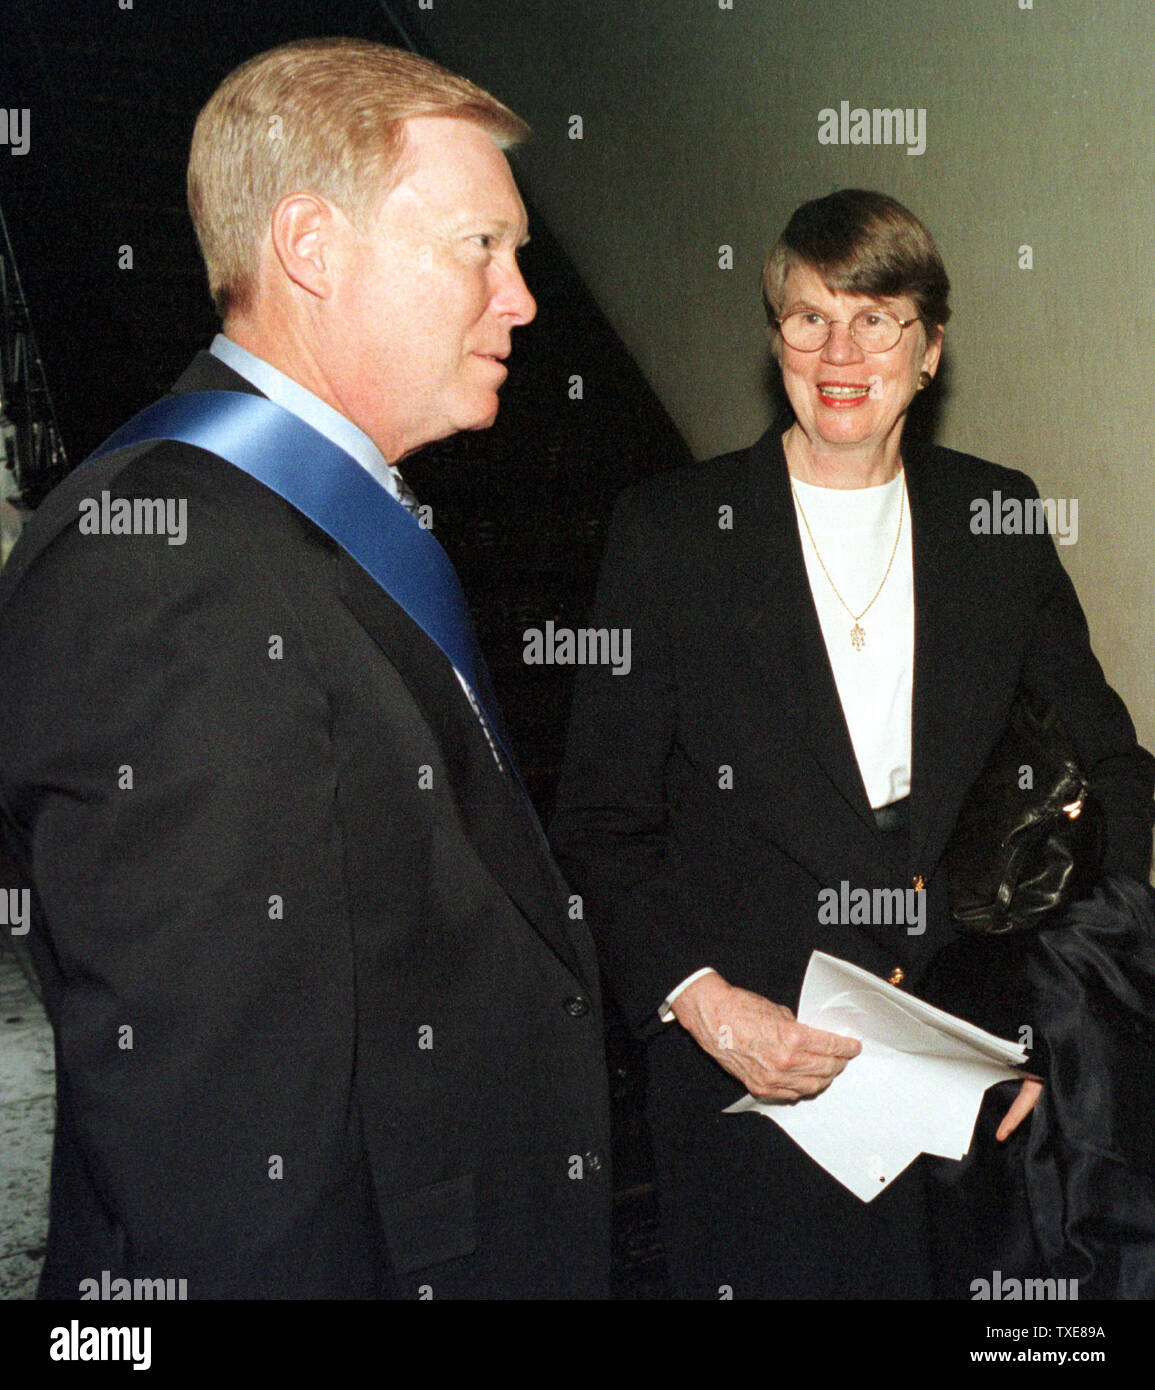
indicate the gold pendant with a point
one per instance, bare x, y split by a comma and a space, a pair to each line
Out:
857, 638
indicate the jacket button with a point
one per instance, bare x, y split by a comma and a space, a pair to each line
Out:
897, 975
577, 1007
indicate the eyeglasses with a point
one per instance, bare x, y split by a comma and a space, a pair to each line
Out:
874, 330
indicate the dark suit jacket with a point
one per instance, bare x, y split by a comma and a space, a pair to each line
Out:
324, 1026
730, 670
709, 796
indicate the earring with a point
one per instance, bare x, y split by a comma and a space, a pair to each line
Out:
924, 380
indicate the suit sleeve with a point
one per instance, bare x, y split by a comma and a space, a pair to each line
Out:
167, 763
1060, 665
611, 830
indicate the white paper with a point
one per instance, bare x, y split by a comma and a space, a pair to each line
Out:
916, 1087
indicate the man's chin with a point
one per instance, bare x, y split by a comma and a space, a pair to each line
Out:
480, 416
484, 417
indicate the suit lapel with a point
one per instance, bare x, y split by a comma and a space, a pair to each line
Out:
948, 655
494, 809
779, 623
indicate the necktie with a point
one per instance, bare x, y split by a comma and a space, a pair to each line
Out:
405, 494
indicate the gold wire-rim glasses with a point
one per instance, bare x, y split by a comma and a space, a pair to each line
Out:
900, 326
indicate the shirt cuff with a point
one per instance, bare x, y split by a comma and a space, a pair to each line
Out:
665, 1013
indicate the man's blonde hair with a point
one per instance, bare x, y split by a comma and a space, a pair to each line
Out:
323, 116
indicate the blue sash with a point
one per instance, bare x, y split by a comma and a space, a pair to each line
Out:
334, 491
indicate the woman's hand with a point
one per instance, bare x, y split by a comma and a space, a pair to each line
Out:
760, 1043
1021, 1107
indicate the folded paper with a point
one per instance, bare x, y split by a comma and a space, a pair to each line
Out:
916, 1087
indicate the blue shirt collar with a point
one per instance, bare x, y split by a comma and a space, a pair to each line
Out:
291, 395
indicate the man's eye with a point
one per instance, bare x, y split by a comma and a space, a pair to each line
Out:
871, 319
809, 317
486, 240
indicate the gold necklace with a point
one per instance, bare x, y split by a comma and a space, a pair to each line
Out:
857, 633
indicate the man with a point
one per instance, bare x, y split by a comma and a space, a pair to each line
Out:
324, 1025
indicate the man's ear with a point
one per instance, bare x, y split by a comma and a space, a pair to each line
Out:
305, 230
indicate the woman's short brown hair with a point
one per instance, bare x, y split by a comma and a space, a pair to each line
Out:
324, 116
860, 242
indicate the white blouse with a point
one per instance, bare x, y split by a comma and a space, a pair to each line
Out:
854, 530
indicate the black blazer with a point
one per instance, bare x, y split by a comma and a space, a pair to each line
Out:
729, 671
324, 1025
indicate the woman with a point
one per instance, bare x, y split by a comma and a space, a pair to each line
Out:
824, 653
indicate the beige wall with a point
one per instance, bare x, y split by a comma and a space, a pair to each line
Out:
701, 129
